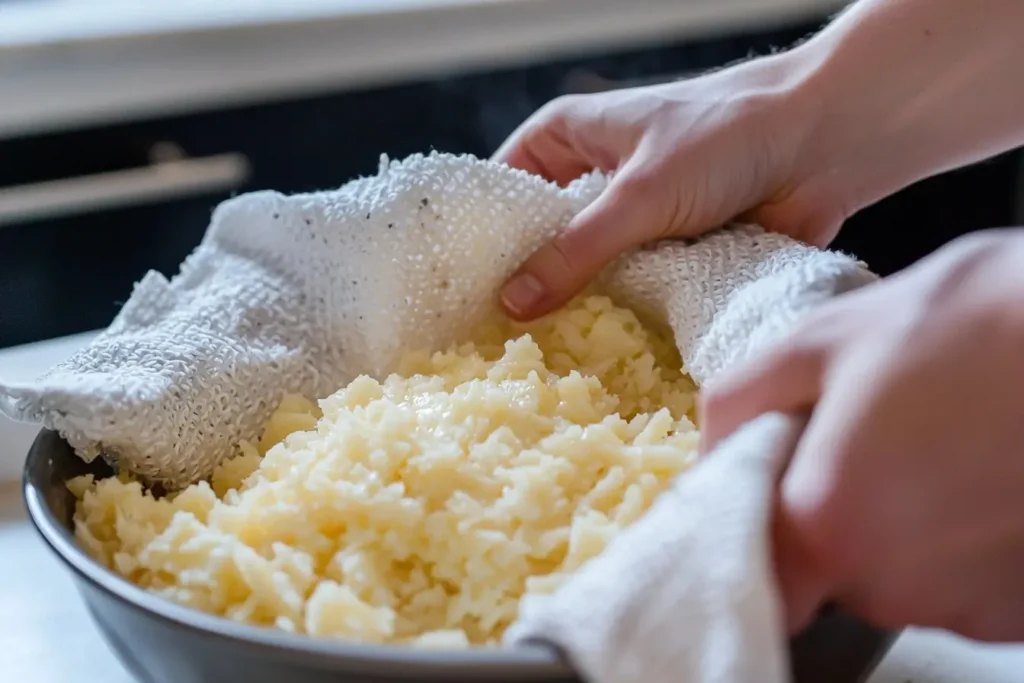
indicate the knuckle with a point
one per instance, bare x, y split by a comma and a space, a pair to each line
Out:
562, 252
642, 187
562, 248
547, 118
802, 348
572, 101
560, 108
640, 178
719, 394
629, 187
817, 225
712, 403
797, 356
716, 396
813, 335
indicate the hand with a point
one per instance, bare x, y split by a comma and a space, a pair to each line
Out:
688, 157
905, 498
888, 94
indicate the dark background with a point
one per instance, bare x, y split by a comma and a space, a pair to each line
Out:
71, 274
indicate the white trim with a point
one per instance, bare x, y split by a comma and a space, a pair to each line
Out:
116, 189
71, 63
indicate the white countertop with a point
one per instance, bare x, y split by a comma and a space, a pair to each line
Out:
77, 62
47, 635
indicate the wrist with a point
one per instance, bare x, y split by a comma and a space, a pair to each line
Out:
824, 153
853, 150
903, 91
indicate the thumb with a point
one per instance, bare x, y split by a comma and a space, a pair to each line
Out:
627, 214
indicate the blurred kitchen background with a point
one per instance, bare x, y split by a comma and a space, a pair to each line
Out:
124, 122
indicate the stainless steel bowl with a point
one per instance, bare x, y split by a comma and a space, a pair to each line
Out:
161, 642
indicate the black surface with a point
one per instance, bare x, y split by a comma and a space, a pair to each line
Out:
164, 643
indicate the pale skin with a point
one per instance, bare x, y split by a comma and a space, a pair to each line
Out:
905, 499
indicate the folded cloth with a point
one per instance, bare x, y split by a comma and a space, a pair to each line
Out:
303, 293
686, 593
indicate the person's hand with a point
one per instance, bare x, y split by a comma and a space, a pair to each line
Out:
905, 498
889, 93
687, 157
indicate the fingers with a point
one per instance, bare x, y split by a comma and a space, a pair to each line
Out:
543, 152
787, 379
972, 588
568, 138
548, 143
624, 216
811, 520
802, 587
817, 228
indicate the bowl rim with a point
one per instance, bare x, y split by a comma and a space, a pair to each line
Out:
531, 660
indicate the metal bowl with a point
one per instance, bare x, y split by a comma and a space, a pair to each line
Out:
161, 642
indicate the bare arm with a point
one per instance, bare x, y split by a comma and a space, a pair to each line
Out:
905, 89
891, 92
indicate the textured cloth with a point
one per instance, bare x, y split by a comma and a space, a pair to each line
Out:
302, 293
687, 592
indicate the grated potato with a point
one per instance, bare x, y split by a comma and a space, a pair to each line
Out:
422, 508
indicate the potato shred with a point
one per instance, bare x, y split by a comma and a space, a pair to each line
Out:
420, 509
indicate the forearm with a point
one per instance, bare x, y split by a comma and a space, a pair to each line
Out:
904, 89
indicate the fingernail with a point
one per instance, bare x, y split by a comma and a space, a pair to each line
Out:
522, 293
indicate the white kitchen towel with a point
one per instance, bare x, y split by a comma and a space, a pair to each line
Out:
302, 293
687, 593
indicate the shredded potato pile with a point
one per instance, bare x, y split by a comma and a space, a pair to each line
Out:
420, 509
